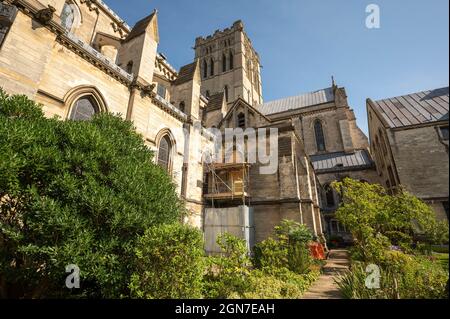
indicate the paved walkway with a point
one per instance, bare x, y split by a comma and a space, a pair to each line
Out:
325, 287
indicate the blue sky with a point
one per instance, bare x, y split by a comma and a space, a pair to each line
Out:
303, 42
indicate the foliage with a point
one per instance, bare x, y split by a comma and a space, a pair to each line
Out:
293, 232
228, 274
283, 284
170, 263
74, 193
283, 268
378, 220
289, 249
401, 276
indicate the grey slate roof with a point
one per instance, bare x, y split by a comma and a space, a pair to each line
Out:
139, 27
215, 101
341, 161
417, 108
186, 73
296, 102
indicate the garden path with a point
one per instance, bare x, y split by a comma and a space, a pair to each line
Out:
325, 287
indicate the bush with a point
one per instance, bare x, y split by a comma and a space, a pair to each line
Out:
228, 274
401, 276
294, 232
232, 276
270, 253
170, 263
74, 193
288, 250
378, 220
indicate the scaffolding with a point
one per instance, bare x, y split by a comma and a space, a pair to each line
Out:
234, 187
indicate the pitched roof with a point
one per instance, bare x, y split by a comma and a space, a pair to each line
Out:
417, 108
296, 102
186, 73
215, 101
341, 161
140, 27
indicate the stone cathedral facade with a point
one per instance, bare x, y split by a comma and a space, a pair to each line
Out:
78, 58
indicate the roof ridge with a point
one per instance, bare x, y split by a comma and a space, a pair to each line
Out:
412, 93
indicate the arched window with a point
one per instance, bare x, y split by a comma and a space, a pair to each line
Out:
164, 150
241, 120
224, 62
320, 139
84, 109
231, 61
205, 69
182, 106
212, 67
68, 15
226, 92
329, 195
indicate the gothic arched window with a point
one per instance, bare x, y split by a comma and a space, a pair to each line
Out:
320, 138
68, 15
226, 92
231, 61
205, 69
164, 150
212, 67
224, 62
84, 109
329, 195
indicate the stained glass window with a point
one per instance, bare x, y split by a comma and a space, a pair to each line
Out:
84, 109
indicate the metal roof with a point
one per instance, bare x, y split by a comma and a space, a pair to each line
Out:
296, 102
341, 161
417, 108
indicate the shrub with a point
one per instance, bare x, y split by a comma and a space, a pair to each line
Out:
228, 274
293, 232
377, 219
401, 276
74, 193
288, 250
270, 253
170, 263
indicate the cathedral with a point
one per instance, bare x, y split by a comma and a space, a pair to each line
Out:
78, 58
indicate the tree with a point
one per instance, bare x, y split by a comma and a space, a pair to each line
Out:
377, 219
74, 193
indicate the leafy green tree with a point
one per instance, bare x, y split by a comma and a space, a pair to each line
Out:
377, 219
74, 193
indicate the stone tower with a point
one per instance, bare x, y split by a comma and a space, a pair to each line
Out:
230, 64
